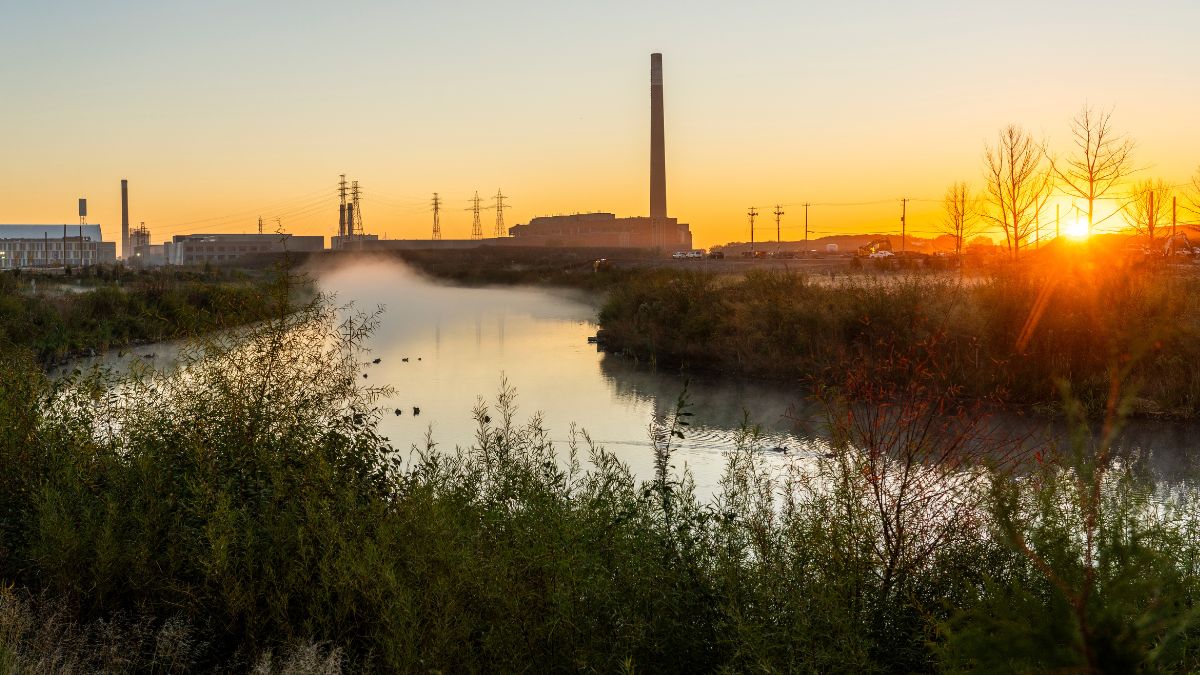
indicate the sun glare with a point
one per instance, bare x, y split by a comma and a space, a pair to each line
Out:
1077, 230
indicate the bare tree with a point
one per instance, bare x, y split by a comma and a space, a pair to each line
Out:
962, 214
1101, 160
1149, 208
1018, 185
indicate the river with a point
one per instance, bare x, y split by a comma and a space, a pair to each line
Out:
443, 348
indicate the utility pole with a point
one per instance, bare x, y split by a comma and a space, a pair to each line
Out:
752, 213
499, 215
1151, 218
903, 225
778, 213
806, 229
260, 224
437, 223
1174, 199
476, 226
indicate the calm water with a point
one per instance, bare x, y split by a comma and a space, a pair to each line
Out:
461, 343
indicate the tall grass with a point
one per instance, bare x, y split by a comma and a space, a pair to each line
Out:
60, 320
1011, 337
246, 508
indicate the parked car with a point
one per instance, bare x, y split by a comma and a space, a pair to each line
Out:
679, 255
716, 255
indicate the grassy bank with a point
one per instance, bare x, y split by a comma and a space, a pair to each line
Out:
98, 309
250, 508
1013, 336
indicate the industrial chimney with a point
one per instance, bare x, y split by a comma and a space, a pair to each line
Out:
658, 153
124, 218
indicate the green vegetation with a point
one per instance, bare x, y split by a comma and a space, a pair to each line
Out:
1011, 336
248, 507
102, 308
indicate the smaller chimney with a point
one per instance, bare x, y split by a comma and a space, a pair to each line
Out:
124, 218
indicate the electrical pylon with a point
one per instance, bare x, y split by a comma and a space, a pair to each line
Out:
476, 226
437, 223
499, 215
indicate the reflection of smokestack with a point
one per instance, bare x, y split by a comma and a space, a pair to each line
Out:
124, 218
658, 153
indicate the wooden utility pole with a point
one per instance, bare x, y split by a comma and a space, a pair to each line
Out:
806, 229
1174, 201
752, 213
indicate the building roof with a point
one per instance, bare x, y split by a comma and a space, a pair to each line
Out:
91, 232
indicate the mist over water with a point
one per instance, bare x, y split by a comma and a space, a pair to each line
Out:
462, 342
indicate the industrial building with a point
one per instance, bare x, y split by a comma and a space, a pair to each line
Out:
32, 246
658, 231
197, 249
602, 230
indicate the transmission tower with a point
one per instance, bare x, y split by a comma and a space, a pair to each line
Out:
753, 212
500, 232
437, 222
342, 206
778, 213
356, 222
476, 226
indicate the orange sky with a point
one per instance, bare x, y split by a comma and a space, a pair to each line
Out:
219, 113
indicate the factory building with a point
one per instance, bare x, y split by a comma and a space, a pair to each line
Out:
31, 246
603, 230
198, 249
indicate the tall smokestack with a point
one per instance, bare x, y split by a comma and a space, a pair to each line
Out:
658, 152
124, 218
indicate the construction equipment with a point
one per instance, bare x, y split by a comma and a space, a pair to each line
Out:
874, 247
1179, 244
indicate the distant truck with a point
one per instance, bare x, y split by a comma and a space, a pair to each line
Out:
694, 253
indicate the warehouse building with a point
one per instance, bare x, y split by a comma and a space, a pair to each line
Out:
198, 249
33, 246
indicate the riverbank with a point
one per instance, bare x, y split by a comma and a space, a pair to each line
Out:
1013, 337
249, 515
93, 310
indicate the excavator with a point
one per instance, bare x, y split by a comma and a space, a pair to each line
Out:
1179, 244
874, 247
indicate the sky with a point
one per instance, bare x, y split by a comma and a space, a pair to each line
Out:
220, 112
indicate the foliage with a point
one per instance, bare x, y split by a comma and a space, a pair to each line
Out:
246, 506
115, 309
1008, 337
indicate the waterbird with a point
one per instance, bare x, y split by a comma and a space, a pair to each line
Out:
399, 412
405, 359
779, 448
416, 410
364, 376
376, 360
